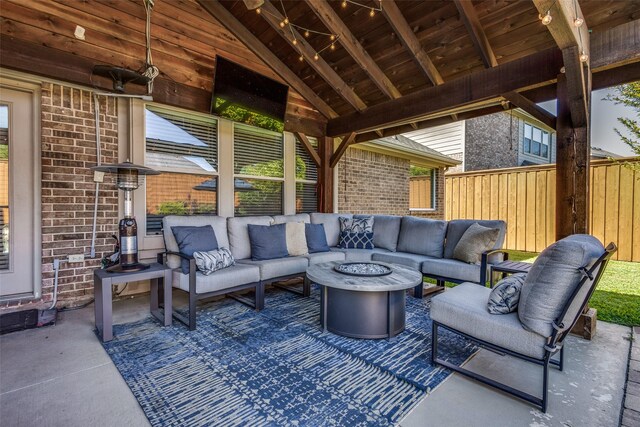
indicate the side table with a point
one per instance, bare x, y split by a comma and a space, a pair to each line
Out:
508, 267
104, 280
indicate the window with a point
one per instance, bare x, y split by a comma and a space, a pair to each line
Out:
536, 141
184, 147
258, 171
306, 179
4, 187
422, 189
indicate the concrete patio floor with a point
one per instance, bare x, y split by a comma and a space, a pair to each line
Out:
61, 376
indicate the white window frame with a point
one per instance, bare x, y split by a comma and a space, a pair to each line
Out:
542, 133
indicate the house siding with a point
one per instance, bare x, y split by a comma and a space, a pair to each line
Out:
447, 139
374, 183
68, 191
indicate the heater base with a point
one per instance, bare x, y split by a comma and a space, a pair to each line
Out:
127, 268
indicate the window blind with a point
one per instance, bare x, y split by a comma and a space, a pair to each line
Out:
258, 152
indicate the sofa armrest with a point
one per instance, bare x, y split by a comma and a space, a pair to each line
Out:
161, 258
484, 263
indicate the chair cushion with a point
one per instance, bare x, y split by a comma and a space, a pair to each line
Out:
316, 238
281, 219
457, 227
385, 231
404, 258
422, 236
359, 255
320, 257
505, 295
331, 225
268, 241
270, 269
218, 223
475, 240
211, 261
296, 238
464, 308
236, 275
191, 239
239, 242
451, 268
552, 279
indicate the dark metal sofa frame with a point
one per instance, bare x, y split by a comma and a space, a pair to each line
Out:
554, 345
418, 290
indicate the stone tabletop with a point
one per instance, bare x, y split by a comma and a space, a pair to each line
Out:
401, 278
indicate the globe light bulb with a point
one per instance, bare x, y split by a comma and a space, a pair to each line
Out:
332, 37
306, 33
286, 20
584, 57
301, 58
333, 46
372, 13
258, 11
316, 57
578, 22
546, 19
282, 24
344, 4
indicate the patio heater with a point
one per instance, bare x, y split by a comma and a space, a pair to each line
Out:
128, 178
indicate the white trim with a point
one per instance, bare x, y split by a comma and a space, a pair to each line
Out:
34, 87
226, 190
422, 210
289, 190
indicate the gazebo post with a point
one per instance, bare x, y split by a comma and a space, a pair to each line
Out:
325, 178
572, 169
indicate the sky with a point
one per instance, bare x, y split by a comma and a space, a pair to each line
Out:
604, 119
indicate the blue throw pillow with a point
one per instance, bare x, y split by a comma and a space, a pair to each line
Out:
316, 238
350, 240
191, 239
268, 241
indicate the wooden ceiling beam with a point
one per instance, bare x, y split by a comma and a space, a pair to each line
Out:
226, 18
530, 107
308, 147
469, 17
342, 148
335, 25
537, 69
273, 16
409, 40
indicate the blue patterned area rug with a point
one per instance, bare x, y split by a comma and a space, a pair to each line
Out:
277, 367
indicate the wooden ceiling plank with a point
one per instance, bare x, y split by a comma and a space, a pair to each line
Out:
308, 147
273, 16
530, 107
335, 25
470, 18
409, 40
342, 148
221, 14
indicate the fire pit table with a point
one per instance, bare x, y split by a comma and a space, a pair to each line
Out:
363, 299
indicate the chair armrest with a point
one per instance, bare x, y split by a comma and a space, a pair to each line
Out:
485, 262
161, 257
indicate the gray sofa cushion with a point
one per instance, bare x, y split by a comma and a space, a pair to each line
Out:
226, 278
386, 229
464, 308
320, 257
218, 223
476, 240
359, 255
331, 225
239, 242
272, 268
552, 279
422, 236
451, 268
457, 227
404, 258
302, 217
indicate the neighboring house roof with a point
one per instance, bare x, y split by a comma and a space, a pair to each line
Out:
599, 153
401, 146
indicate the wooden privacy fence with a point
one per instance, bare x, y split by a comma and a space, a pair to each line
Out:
525, 198
420, 192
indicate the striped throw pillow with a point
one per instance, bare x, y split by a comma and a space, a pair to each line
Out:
210, 261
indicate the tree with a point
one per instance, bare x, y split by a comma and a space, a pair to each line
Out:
629, 95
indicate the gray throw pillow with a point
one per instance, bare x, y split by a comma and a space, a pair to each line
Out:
504, 297
476, 240
356, 225
191, 239
208, 262
268, 241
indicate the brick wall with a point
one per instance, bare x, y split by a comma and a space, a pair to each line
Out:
68, 150
489, 144
373, 183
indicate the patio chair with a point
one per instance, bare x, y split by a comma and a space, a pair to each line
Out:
555, 292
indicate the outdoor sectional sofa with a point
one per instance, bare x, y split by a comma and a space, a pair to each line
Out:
424, 244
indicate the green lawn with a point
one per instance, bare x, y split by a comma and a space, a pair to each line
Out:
617, 297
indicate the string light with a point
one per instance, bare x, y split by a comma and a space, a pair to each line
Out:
333, 46
344, 4
316, 56
547, 18
301, 58
578, 22
282, 24
286, 20
583, 56
372, 13
332, 37
306, 33
258, 10
295, 42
